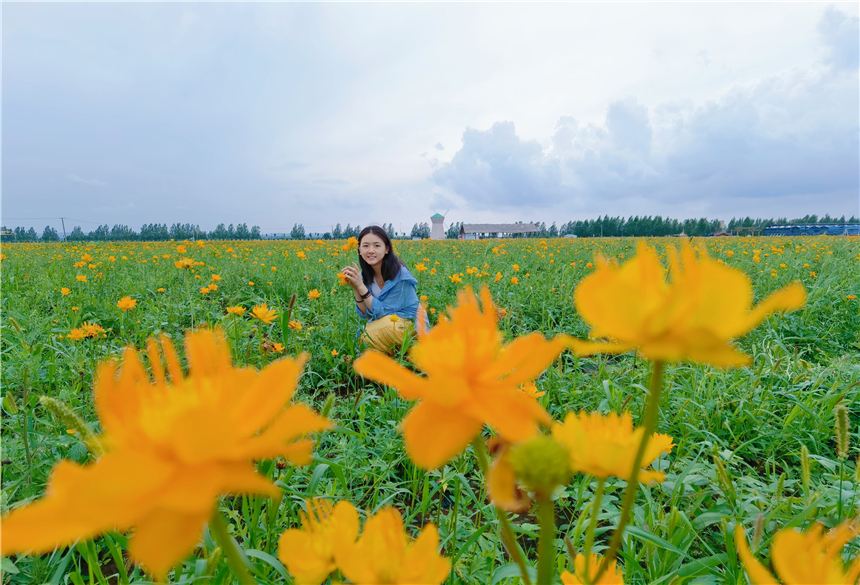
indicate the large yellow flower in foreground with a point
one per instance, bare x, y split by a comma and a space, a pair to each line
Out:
605, 446
172, 448
309, 552
384, 554
471, 379
813, 556
694, 317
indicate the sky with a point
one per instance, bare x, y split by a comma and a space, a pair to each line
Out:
274, 114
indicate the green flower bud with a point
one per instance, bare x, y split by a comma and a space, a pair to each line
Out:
541, 464
71, 420
841, 431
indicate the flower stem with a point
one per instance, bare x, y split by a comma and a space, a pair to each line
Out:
218, 525
655, 387
508, 536
592, 524
546, 544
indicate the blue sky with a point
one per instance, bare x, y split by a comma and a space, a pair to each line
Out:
274, 114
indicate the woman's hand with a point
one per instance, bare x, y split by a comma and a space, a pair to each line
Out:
353, 275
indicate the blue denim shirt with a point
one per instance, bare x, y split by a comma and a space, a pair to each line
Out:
397, 297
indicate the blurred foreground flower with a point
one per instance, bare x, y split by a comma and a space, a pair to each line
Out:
384, 554
309, 552
580, 576
184, 263
813, 556
706, 305
472, 379
172, 449
605, 446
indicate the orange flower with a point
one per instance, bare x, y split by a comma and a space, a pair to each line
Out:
342, 279
455, 278
76, 334
350, 244
851, 297
159, 290
694, 317
314, 294
472, 379
81, 277
65, 291
295, 326
236, 311
420, 267
171, 449
92, 329
126, 303
515, 280
215, 278
498, 277
213, 286
204, 290
264, 313
184, 263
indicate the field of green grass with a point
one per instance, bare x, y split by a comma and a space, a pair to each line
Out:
738, 433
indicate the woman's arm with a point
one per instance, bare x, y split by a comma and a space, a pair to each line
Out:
353, 275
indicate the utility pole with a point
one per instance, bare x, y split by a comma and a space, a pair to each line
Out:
63, 219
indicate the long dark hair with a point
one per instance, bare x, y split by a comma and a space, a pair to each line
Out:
390, 264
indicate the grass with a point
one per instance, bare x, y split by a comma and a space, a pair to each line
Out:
750, 422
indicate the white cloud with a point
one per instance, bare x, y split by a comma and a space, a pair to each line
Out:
93, 182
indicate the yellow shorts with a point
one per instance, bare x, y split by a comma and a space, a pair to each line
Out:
385, 334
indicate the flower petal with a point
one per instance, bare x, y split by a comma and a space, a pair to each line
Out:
586, 348
526, 358
434, 434
422, 564
381, 368
792, 296
758, 574
165, 537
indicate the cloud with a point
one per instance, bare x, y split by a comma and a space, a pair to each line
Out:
439, 146
93, 182
839, 33
331, 182
785, 136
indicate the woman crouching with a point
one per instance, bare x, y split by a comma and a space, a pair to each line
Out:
384, 291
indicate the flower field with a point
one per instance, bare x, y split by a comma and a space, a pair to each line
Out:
567, 388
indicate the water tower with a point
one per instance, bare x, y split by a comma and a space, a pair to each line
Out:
437, 232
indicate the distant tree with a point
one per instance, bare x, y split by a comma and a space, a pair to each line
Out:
553, 231
77, 235
255, 233
49, 234
337, 233
231, 233
242, 231
327, 236
298, 232
219, 233
453, 231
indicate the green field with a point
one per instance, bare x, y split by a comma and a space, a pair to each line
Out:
738, 433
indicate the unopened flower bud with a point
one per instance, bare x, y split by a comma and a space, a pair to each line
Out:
841, 431
541, 464
70, 419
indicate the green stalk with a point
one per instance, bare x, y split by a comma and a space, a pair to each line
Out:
655, 388
546, 544
592, 524
218, 526
508, 537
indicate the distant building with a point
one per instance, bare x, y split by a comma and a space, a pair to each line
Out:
477, 231
814, 229
276, 236
437, 232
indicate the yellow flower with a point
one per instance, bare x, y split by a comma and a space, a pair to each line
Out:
76, 309
205, 290
184, 263
393, 318
126, 303
300, 255
350, 244
65, 291
384, 554
692, 318
215, 278
295, 325
803, 557
498, 277
236, 310
309, 552
612, 576
530, 388
159, 290
455, 278
420, 267
92, 329
314, 294
515, 280
264, 313
278, 347
213, 286
80, 264
81, 277
181, 249
76, 334
171, 450
334, 353
849, 297
604, 446
342, 279
516, 267
422, 298
472, 379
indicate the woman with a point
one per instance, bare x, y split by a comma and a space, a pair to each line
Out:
384, 291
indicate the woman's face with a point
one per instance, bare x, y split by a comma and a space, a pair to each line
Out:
372, 249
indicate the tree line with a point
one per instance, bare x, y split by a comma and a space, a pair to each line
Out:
604, 226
